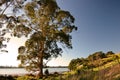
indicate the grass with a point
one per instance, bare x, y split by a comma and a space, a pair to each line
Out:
107, 62
110, 73
108, 69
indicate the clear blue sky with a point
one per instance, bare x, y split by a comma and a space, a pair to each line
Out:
98, 23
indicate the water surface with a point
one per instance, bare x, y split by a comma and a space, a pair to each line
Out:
22, 71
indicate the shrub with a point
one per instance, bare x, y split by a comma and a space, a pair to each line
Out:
46, 72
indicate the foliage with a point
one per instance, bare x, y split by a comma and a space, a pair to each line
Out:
8, 19
96, 56
109, 53
97, 60
76, 62
72, 64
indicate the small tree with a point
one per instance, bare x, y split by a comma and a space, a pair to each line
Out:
47, 26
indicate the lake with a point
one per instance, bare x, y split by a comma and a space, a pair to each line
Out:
22, 71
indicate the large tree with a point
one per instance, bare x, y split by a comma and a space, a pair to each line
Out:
46, 26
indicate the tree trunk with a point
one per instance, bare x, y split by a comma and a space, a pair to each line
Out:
40, 73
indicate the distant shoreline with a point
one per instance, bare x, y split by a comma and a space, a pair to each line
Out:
22, 71
44, 67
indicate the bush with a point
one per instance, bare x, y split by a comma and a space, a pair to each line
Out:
46, 72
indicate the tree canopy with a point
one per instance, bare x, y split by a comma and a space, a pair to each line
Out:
8, 19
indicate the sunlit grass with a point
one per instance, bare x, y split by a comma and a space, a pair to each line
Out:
109, 62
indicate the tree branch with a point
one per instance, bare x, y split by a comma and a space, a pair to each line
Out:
6, 7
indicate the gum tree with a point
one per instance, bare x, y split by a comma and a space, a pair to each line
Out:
46, 26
